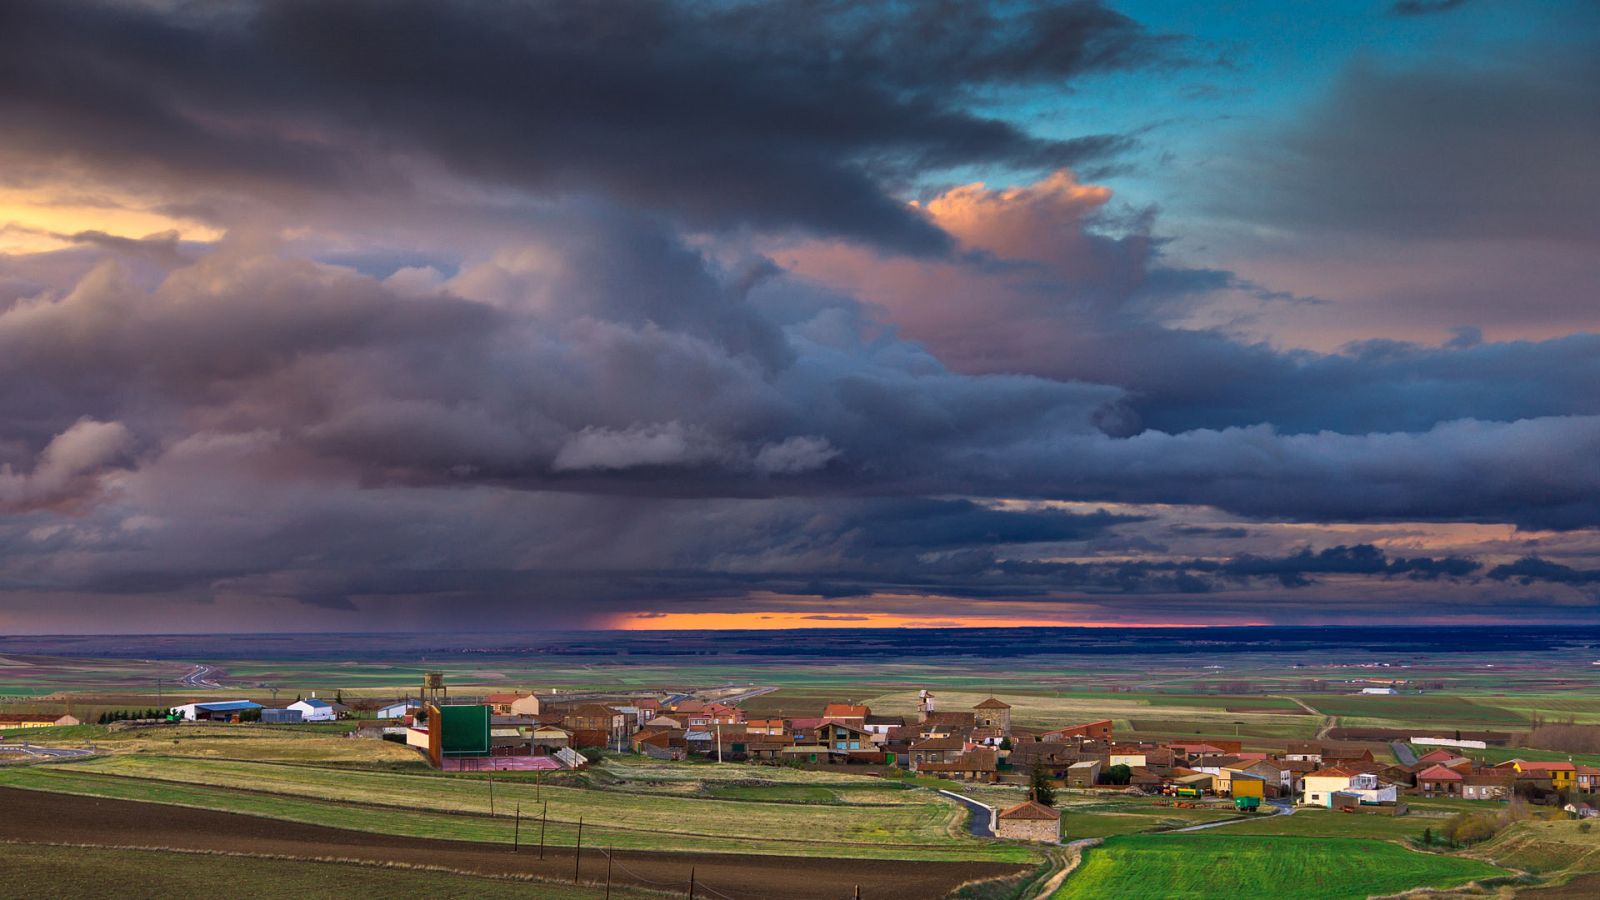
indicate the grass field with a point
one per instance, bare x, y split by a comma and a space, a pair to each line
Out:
35, 870
263, 743
1227, 866
458, 808
1433, 710
1555, 850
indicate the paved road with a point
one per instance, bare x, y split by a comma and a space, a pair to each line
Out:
200, 677
753, 692
1279, 808
980, 822
1402, 752
27, 749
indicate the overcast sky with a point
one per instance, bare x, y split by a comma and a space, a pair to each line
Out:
389, 315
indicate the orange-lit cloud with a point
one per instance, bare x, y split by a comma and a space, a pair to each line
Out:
1039, 221
35, 220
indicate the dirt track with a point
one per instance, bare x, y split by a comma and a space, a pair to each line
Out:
45, 817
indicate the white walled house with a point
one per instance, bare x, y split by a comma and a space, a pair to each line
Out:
314, 710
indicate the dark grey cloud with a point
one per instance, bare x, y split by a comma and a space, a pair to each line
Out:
1297, 570
1424, 7
1531, 569
796, 114
610, 359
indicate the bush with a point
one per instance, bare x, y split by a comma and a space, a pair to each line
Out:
1117, 774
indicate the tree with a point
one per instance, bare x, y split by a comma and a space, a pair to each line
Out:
338, 696
1117, 774
1039, 785
1005, 743
1427, 837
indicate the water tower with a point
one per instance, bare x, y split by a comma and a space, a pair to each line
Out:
433, 690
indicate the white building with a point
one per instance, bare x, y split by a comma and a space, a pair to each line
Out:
1371, 790
1379, 690
314, 710
399, 710
222, 710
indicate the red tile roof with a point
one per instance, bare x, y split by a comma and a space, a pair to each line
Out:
1438, 773
1031, 810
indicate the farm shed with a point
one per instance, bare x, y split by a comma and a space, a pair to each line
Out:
1030, 821
399, 710
1084, 774
220, 711
281, 716
314, 710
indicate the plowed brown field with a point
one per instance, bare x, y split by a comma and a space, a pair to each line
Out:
63, 818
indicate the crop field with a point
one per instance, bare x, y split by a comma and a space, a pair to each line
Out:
1230, 866
893, 824
43, 870
1128, 711
1556, 850
1425, 710
205, 740
201, 833
1327, 823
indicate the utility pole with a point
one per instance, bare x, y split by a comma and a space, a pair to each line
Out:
691, 883
719, 740
516, 829
577, 852
608, 875
543, 820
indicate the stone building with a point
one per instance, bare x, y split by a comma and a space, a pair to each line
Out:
1030, 821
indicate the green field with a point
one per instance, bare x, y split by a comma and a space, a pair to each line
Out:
1228, 866
1431, 710
35, 870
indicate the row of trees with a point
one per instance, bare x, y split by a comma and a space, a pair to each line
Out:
1566, 737
123, 715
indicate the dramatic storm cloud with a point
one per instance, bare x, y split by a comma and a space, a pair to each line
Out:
410, 314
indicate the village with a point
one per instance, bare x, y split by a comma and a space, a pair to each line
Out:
554, 732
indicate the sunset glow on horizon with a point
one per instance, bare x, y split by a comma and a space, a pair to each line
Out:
767, 621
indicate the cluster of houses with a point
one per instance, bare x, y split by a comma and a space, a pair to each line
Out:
1442, 773
980, 744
